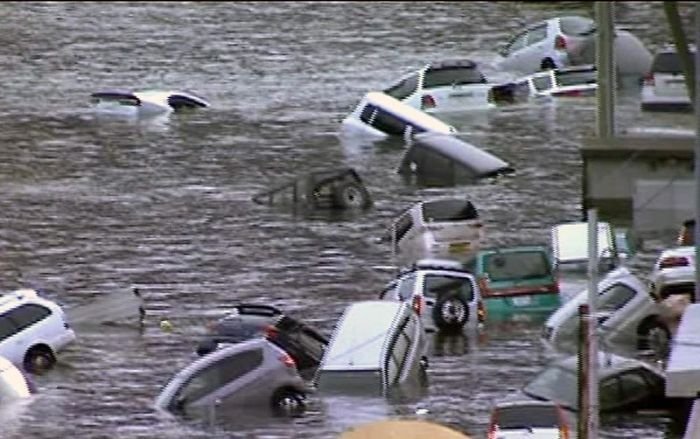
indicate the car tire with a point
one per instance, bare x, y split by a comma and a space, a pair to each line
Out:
288, 401
450, 313
654, 336
350, 196
547, 64
39, 359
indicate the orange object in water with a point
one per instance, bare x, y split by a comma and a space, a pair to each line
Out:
402, 429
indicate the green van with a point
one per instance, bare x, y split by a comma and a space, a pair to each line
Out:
517, 279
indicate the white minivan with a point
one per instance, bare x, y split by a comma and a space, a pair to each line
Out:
375, 347
32, 330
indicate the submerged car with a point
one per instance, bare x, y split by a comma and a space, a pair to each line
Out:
442, 292
376, 347
664, 87
628, 317
625, 385
444, 228
518, 279
251, 373
379, 115
444, 86
575, 81
529, 419
545, 45
304, 343
146, 102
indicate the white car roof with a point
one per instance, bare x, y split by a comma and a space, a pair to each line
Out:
358, 339
24, 295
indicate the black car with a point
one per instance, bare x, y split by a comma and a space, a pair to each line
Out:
303, 342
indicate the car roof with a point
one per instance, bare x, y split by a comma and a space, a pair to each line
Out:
608, 363
23, 295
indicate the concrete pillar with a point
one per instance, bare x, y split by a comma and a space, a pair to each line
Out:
605, 62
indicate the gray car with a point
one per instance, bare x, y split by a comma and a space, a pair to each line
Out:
251, 373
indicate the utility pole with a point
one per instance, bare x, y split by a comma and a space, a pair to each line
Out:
592, 327
681, 43
605, 63
696, 170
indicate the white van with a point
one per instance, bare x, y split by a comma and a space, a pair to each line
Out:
441, 228
375, 346
570, 246
380, 115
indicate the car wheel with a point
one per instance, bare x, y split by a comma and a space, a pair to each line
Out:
450, 313
39, 359
547, 64
350, 196
288, 401
654, 336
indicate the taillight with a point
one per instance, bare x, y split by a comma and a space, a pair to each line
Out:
288, 361
481, 311
674, 261
271, 332
560, 43
417, 304
649, 79
427, 102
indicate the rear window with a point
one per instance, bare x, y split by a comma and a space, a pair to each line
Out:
527, 416
574, 26
439, 285
542, 83
669, 63
404, 88
449, 210
517, 265
452, 76
576, 78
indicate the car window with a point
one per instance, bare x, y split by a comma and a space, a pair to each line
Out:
566, 78
536, 416
556, 384
516, 265
406, 286
537, 34
435, 285
367, 113
404, 88
7, 328
448, 76
403, 225
217, 374
27, 314
312, 342
388, 123
633, 387
542, 83
615, 297
398, 349
448, 210
517, 43
669, 62
576, 26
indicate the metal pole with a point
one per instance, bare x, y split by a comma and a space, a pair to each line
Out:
605, 63
593, 405
584, 408
674, 21
696, 231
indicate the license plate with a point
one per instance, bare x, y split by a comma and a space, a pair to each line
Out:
459, 247
522, 300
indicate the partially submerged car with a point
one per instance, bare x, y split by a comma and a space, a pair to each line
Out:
549, 44
376, 347
444, 86
628, 318
443, 227
673, 284
442, 292
13, 383
529, 418
379, 115
664, 87
302, 342
574, 81
321, 189
251, 373
520, 278
146, 102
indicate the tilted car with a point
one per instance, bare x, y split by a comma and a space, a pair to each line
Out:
529, 419
664, 87
253, 373
145, 102
442, 292
33, 330
304, 343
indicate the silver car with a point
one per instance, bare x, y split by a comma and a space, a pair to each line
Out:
251, 373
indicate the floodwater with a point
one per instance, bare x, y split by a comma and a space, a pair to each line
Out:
93, 205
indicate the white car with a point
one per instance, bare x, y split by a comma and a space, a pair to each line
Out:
673, 283
13, 383
575, 81
546, 45
530, 419
664, 88
444, 227
32, 330
446, 86
379, 115
628, 318
146, 102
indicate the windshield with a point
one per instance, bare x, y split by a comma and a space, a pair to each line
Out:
452, 76
516, 265
555, 384
536, 416
439, 285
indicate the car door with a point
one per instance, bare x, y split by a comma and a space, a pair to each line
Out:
239, 380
